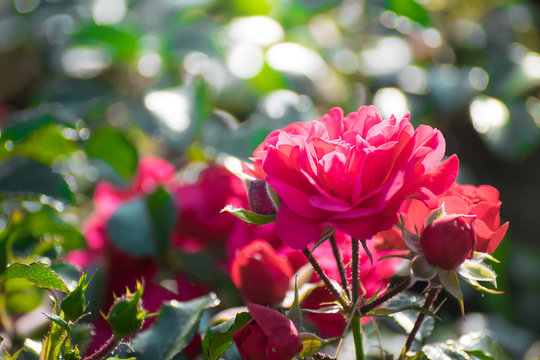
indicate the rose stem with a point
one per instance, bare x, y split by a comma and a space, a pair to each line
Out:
430, 299
104, 350
325, 278
356, 325
339, 262
402, 286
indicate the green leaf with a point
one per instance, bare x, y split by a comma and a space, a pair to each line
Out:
127, 315
386, 311
37, 273
29, 178
450, 282
219, 337
12, 357
163, 215
410, 9
46, 144
173, 330
406, 319
249, 216
21, 296
113, 147
142, 227
59, 321
444, 351
473, 270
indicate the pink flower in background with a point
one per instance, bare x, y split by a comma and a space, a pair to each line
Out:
352, 173
152, 172
200, 224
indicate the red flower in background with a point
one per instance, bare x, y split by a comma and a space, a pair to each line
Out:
352, 173
268, 336
261, 274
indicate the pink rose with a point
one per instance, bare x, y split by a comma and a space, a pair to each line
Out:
200, 224
268, 336
261, 274
481, 203
352, 173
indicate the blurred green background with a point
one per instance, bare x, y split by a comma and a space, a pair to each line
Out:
86, 87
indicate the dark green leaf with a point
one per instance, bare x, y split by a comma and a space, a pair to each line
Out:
219, 337
37, 273
112, 146
173, 330
28, 178
46, 144
142, 227
406, 319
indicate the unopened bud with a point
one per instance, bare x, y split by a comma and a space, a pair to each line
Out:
447, 241
262, 199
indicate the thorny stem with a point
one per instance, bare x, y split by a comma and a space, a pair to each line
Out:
390, 293
325, 279
430, 299
339, 262
355, 269
104, 350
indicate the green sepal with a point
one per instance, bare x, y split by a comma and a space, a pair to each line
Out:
249, 216
450, 281
218, 338
311, 343
74, 304
388, 311
127, 315
473, 270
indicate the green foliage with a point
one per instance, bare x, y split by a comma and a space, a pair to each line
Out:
123, 159
174, 329
37, 273
142, 227
218, 338
74, 303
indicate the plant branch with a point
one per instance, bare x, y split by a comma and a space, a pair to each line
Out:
390, 293
325, 279
339, 262
430, 299
104, 350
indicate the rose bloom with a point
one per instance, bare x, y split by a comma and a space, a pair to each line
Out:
352, 173
268, 336
479, 203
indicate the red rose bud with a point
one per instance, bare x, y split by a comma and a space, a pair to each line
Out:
447, 241
261, 274
261, 201
268, 336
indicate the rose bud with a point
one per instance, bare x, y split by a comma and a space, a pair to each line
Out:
268, 336
261, 274
262, 199
447, 241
